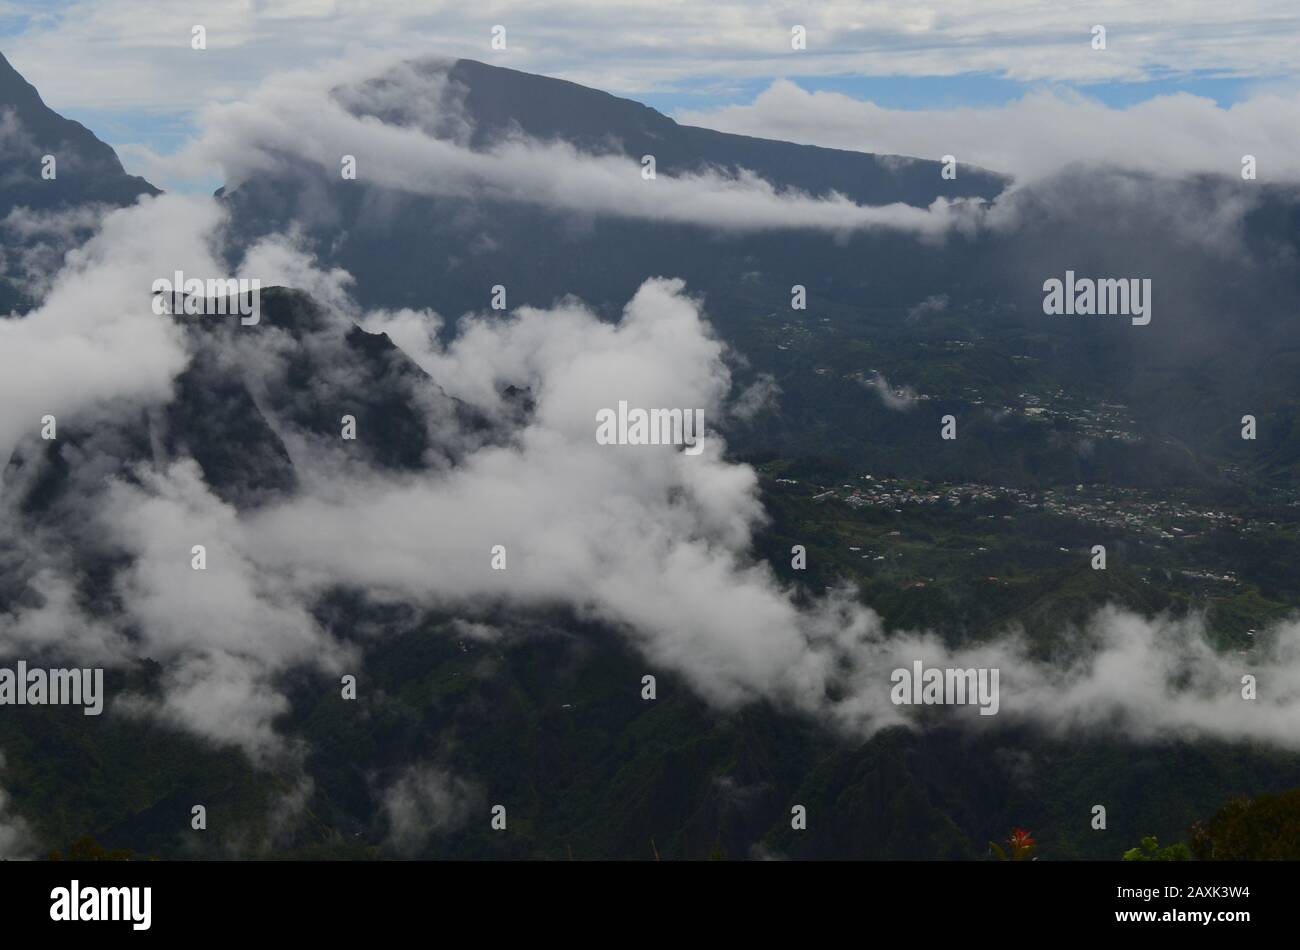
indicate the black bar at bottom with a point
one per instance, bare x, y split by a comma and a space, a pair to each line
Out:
569, 899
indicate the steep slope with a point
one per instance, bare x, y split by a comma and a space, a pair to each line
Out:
500, 100
87, 169
315, 370
407, 249
40, 216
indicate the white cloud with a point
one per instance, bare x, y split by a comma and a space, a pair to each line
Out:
424, 801
935, 303
1041, 133
656, 544
645, 539
36, 242
898, 398
222, 633
297, 123
94, 338
136, 53
17, 842
760, 396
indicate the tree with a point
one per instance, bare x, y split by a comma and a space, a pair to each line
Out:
717, 854
87, 848
1265, 829
1150, 850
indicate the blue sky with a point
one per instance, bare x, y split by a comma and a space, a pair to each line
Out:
948, 92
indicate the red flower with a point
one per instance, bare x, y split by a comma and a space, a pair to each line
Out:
1020, 846
1021, 839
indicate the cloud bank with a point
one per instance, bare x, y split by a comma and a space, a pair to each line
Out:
646, 540
406, 132
1041, 133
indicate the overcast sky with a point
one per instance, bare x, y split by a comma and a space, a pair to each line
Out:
125, 67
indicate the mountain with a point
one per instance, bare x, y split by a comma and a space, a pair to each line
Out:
410, 250
86, 173
499, 101
543, 712
87, 170
959, 319
327, 367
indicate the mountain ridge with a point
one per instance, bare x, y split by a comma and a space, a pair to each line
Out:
98, 173
500, 100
